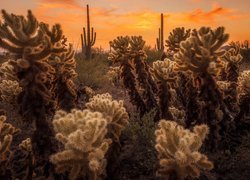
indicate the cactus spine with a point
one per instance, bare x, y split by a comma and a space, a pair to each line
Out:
160, 39
88, 39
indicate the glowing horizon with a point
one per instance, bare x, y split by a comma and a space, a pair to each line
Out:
112, 18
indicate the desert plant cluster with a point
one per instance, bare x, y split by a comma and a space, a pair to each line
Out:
191, 104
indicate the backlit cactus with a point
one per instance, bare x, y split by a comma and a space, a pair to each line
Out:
121, 55
200, 54
178, 151
201, 49
176, 37
6, 135
36, 48
163, 72
83, 135
113, 111
244, 83
9, 90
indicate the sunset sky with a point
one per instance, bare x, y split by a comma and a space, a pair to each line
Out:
111, 18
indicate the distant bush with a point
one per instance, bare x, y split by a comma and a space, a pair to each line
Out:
152, 54
92, 72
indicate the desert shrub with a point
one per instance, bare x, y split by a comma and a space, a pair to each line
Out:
142, 128
138, 152
92, 72
152, 54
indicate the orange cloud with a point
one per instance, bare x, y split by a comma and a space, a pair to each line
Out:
110, 22
200, 16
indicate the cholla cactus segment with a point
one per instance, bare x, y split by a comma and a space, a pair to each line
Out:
164, 70
137, 45
114, 74
83, 135
7, 71
19, 31
6, 133
178, 115
223, 85
201, 49
89, 91
9, 90
176, 37
244, 83
233, 55
112, 110
26, 145
121, 48
178, 150
120, 44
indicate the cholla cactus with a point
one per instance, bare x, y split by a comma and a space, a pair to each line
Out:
36, 47
23, 37
22, 161
178, 115
26, 145
243, 117
223, 85
144, 77
233, 59
117, 118
83, 136
9, 90
113, 111
121, 49
113, 75
201, 49
122, 55
64, 65
163, 72
178, 151
176, 37
7, 71
6, 134
244, 83
201, 54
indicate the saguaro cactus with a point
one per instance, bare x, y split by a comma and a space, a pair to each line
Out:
88, 38
160, 39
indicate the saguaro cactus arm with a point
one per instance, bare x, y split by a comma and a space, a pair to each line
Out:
160, 39
88, 37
